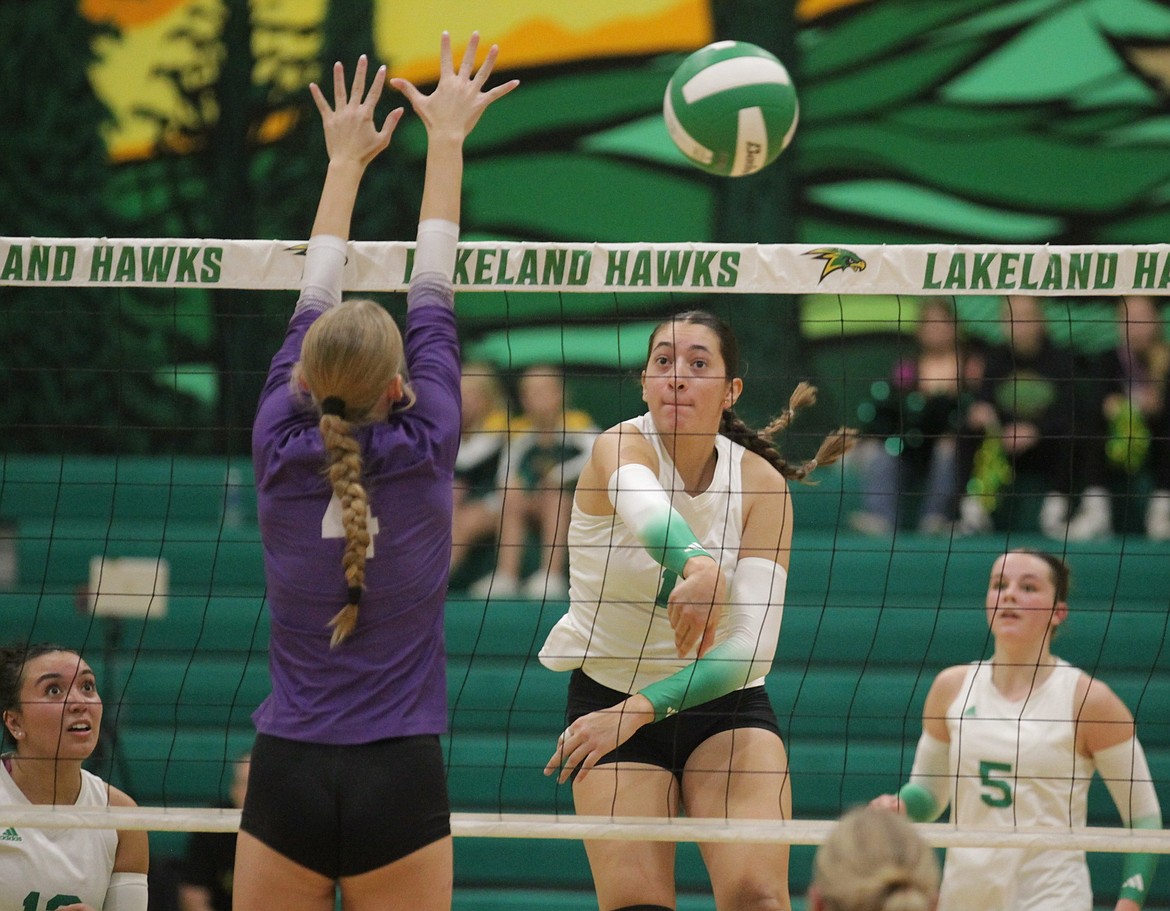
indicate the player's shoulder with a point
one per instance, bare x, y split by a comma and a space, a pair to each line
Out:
119, 798
760, 475
948, 681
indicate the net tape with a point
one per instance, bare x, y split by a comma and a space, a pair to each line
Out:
926, 269
520, 825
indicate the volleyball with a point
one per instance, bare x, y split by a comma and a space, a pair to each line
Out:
731, 108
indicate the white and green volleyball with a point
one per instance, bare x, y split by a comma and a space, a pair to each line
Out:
731, 108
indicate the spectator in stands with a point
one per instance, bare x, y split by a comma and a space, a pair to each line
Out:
205, 878
549, 448
53, 714
679, 550
1021, 420
913, 429
873, 860
483, 443
1131, 421
354, 470
1014, 741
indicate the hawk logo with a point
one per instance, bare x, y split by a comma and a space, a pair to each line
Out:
837, 260
297, 249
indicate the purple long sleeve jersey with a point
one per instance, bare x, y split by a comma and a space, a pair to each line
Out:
388, 679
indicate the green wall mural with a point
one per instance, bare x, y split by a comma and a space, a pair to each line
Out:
986, 121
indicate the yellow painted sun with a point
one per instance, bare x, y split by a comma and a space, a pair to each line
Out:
530, 33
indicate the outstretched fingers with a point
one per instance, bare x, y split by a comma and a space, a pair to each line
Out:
485, 69
445, 65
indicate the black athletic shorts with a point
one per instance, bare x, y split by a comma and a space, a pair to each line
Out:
669, 743
347, 809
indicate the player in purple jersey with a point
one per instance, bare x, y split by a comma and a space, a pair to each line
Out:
354, 469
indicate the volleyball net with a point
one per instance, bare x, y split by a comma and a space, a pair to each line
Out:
127, 521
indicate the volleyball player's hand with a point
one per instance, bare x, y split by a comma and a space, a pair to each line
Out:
454, 107
591, 736
350, 132
890, 802
695, 606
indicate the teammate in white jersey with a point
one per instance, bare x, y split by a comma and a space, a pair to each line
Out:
1015, 741
678, 554
53, 714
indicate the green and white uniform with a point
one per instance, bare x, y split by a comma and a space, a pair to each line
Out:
613, 630
1015, 764
42, 869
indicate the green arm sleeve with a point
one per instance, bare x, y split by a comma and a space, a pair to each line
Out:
670, 541
723, 669
1137, 872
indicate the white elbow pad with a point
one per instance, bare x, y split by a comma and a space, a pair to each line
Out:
126, 892
637, 496
931, 770
756, 604
434, 249
324, 265
1126, 774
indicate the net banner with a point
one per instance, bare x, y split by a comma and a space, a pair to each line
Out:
924, 269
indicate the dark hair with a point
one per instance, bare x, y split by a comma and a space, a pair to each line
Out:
733, 427
13, 660
1057, 568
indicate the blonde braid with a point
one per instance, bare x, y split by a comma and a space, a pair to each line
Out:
345, 475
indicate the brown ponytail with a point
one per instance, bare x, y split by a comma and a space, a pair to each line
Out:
760, 442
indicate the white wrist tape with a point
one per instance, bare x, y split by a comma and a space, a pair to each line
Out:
931, 770
1126, 774
435, 247
324, 265
126, 892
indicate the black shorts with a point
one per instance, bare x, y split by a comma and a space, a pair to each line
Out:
345, 810
669, 743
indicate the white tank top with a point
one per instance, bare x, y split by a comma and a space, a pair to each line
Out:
56, 864
613, 630
1015, 763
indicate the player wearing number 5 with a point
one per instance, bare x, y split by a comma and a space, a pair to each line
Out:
354, 468
1014, 741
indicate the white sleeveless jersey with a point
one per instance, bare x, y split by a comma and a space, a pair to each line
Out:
1016, 764
47, 868
613, 630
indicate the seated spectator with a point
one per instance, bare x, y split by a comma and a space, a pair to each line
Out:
1131, 415
873, 860
475, 520
1020, 420
912, 422
550, 444
205, 879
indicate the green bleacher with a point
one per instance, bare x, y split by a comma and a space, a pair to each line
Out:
867, 625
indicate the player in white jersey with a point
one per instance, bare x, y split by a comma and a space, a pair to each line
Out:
1014, 741
678, 553
53, 714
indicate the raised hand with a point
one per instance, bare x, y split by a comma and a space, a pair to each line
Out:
453, 109
350, 131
